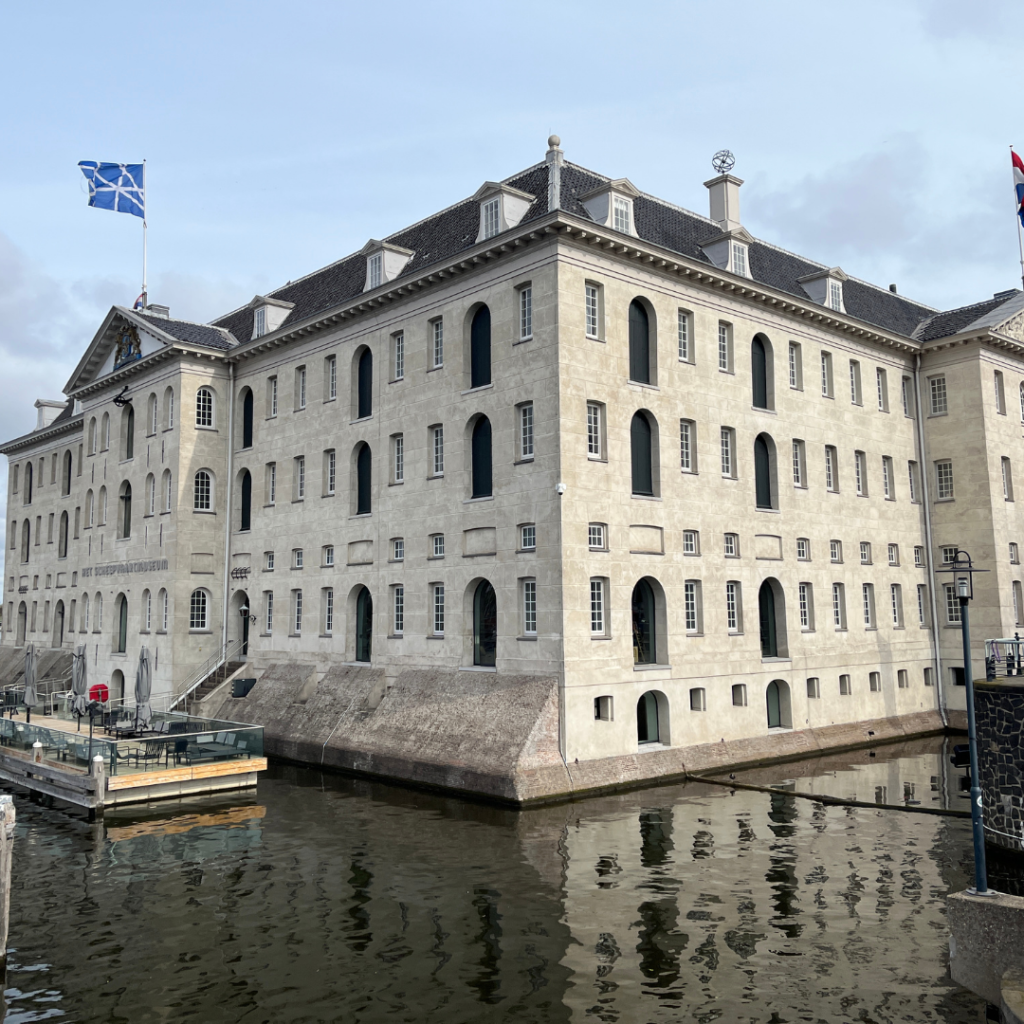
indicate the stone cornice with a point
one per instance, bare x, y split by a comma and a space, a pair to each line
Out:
69, 426
122, 376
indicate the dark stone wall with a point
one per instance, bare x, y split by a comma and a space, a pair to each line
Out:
999, 716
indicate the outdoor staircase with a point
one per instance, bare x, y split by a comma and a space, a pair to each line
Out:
212, 681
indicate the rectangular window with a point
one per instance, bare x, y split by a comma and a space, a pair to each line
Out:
300, 388
732, 545
530, 607
398, 549
597, 616
882, 387
603, 709
896, 598
592, 306
526, 431
375, 271
328, 555
525, 313
300, 477
620, 214
437, 545
739, 259
438, 594
929, 677
814, 688
831, 469
835, 548
803, 549
438, 445
595, 449
688, 446
732, 606
1014, 553
855, 393
865, 552
912, 476
692, 605
724, 346
528, 537
260, 322
328, 609
398, 610
685, 332
698, 699
269, 561
492, 217
728, 463
952, 604
839, 605
835, 296
888, 488
845, 689
268, 612
437, 334
875, 682
947, 554
902, 679
739, 695
272, 396
796, 369
271, 483
330, 471
296, 611
860, 464
918, 555
799, 463
1000, 394
906, 397
398, 458
937, 391
330, 378
1007, 479
894, 554
398, 356
298, 558
826, 374
596, 537
806, 592
1018, 602
944, 479
691, 542
956, 673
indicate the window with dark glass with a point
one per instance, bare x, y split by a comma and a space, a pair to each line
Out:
363, 480
641, 455
480, 349
246, 518
365, 385
364, 625
759, 373
247, 419
643, 624
481, 459
639, 343
766, 611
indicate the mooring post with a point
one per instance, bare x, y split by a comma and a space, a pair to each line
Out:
99, 774
6, 847
37, 752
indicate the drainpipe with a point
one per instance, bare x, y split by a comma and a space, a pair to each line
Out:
230, 489
939, 681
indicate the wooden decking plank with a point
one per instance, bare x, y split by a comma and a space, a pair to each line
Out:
186, 774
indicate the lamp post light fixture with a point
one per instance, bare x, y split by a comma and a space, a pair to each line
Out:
963, 572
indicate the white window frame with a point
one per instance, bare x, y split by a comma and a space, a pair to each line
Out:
728, 443
528, 537
939, 399
398, 458
944, 489
685, 335
526, 431
437, 339
597, 537
595, 431
529, 604
796, 375
437, 439
806, 601
725, 363
437, 607
687, 446
826, 375
525, 306
592, 311
398, 610
733, 604
398, 355
598, 601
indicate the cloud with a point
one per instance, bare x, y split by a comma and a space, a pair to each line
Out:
992, 21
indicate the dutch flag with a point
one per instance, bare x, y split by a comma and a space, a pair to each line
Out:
1018, 183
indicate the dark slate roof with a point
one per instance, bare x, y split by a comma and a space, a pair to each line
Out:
444, 235
192, 334
62, 417
953, 321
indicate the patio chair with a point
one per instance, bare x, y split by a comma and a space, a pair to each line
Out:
151, 750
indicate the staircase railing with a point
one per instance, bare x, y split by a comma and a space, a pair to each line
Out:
223, 655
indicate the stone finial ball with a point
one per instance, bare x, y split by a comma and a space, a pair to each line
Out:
554, 142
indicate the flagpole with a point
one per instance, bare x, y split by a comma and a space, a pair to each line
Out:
145, 297
1020, 239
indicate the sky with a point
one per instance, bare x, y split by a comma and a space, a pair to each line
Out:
280, 137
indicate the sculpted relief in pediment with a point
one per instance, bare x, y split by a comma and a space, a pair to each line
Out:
1014, 327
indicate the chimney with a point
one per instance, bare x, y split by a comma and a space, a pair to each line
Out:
47, 411
154, 310
725, 201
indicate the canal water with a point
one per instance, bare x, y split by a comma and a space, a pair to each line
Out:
323, 898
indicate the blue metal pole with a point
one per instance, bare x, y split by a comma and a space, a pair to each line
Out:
977, 827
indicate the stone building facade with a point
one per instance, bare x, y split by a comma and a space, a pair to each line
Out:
562, 431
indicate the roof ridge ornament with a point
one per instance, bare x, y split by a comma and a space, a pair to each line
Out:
723, 161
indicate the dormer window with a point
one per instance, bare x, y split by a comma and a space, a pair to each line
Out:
492, 217
825, 287
835, 296
260, 322
268, 314
611, 204
622, 215
738, 263
384, 262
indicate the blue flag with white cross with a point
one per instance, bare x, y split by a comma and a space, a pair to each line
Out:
118, 187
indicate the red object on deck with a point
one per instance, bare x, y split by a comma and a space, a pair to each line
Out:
100, 692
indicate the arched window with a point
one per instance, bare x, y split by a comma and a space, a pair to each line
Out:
167, 490
147, 611
202, 491
62, 536
125, 523
364, 396
97, 624
103, 506
364, 460
164, 610
639, 343
92, 435
198, 607
169, 408
778, 705
771, 606
764, 458
364, 625
105, 432
85, 614
648, 726
128, 421
204, 408
247, 418
482, 483
150, 495
480, 348
641, 454
644, 624
90, 508
485, 625
26, 538
27, 499
121, 639
22, 624
58, 624
246, 503
759, 373
66, 478
151, 419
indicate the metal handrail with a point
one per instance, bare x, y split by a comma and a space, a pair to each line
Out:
214, 662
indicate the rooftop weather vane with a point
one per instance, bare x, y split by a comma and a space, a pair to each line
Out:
723, 161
